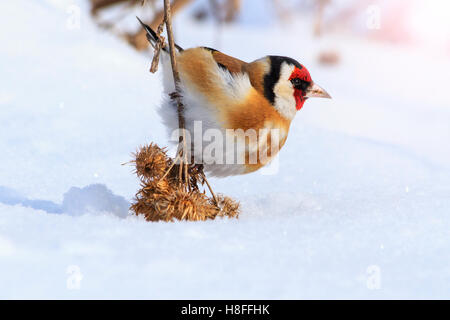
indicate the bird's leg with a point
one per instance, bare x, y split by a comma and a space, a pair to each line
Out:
183, 163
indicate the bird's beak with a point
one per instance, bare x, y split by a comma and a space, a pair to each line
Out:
314, 91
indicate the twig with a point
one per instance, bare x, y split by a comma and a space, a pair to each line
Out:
210, 189
176, 79
171, 166
176, 75
157, 48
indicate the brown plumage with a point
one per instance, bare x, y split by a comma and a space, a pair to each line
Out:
225, 93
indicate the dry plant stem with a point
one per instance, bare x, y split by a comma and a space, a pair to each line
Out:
210, 189
158, 46
138, 40
176, 78
171, 166
176, 6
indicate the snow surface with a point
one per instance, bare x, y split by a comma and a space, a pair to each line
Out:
358, 207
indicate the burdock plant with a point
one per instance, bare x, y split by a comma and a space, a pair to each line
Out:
164, 196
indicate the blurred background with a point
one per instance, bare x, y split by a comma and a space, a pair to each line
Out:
415, 23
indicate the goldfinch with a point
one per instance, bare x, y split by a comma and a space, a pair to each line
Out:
237, 114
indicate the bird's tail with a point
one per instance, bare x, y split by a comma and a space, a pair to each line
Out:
152, 37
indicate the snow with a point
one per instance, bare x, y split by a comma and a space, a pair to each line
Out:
358, 206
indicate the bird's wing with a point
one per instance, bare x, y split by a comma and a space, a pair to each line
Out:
255, 71
213, 77
233, 65
220, 85
237, 68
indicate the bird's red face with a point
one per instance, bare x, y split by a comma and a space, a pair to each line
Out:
301, 81
288, 84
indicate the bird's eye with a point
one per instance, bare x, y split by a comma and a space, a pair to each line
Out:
299, 84
295, 82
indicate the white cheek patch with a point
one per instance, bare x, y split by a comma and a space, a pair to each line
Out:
284, 93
